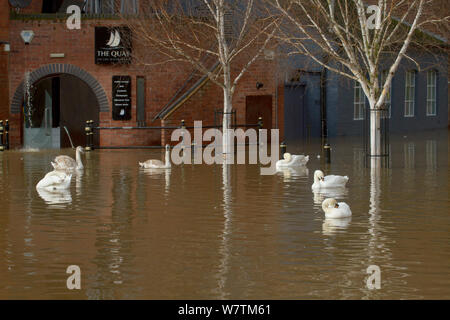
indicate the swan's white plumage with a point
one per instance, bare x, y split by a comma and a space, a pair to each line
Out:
55, 180
335, 210
331, 181
64, 162
158, 164
292, 160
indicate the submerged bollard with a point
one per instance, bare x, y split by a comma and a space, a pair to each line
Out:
7, 134
282, 149
88, 131
327, 152
2, 147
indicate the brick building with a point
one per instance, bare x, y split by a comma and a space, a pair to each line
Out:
58, 68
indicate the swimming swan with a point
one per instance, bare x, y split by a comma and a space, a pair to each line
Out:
335, 210
55, 180
291, 160
158, 164
331, 181
68, 163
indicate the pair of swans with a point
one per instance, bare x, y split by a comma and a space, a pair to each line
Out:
64, 167
158, 164
332, 208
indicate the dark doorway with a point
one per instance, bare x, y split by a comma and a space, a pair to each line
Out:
259, 106
294, 113
78, 104
61, 105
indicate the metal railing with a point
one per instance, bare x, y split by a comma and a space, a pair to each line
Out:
91, 130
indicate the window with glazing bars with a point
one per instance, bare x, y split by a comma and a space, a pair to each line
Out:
431, 92
359, 102
410, 93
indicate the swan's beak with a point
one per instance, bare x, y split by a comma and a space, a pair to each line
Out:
322, 178
336, 205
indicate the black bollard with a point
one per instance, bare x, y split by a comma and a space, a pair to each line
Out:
88, 129
282, 149
7, 134
327, 152
183, 124
2, 147
260, 123
91, 135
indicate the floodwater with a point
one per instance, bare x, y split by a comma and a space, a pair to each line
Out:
227, 232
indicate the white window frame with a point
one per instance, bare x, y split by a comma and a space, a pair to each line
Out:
410, 101
388, 96
358, 106
432, 88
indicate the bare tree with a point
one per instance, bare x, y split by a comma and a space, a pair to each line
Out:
230, 33
352, 38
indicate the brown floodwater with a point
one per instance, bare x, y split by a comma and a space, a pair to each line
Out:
227, 232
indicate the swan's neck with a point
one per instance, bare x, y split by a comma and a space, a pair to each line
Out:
167, 158
78, 159
326, 208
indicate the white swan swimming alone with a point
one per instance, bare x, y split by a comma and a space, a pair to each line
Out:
335, 210
331, 181
55, 180
292, 160
67, 163
158, 164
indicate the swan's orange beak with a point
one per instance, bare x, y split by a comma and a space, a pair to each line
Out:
322, 178
336, 205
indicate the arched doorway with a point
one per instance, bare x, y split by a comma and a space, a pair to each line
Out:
63, 98
61, 104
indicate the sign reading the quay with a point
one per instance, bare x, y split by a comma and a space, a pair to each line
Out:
112, 45
121, 97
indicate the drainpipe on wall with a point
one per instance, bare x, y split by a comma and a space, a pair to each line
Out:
323, 103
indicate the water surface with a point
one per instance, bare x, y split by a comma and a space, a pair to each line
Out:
227, 232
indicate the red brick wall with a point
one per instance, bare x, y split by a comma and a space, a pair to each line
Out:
4, 36
161, 81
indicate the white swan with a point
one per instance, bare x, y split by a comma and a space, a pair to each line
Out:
291, 160
158, 164
335, 210
55, 180
320, 181
68, 163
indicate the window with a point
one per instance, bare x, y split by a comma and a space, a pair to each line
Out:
99, 6
359, 102
410, 88
140, 101
129, 6
387, 97
431, 92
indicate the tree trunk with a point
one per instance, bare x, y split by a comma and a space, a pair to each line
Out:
226, 122
375, 130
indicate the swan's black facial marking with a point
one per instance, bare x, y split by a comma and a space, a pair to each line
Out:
336, 205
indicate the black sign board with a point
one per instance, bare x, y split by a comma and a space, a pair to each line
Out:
112, 45
121, 97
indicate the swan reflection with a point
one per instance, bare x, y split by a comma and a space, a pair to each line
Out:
157, 173
322, 194
291, 172
333, 226
55, 197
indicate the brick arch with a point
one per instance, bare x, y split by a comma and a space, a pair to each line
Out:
57, 68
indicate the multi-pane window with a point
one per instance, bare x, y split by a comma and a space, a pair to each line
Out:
431, 92
387, 97
410, 93
110, 6
359, 102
